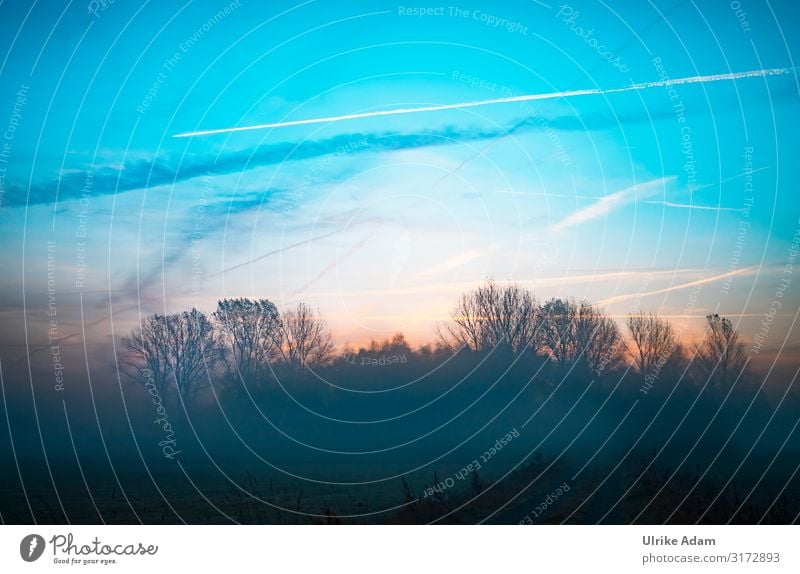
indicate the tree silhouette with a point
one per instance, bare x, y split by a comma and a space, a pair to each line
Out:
306, 340
396, 348
653, 340
579, 332
492, 316
175, 349
720, 357
568, 342
146, 356
597, 338
250, 334
558, 322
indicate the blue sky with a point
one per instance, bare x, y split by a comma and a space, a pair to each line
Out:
643, 199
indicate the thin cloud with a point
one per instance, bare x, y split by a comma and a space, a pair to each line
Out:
695, 188
447, 287
275, 252
693, 206
612, 202
704, 281
455, 262
330, 267
170, 169
546, 194
727, 179
496, 101
217, 215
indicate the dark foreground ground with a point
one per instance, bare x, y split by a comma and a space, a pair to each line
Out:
477, 442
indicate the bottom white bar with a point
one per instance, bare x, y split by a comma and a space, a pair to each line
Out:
370, 549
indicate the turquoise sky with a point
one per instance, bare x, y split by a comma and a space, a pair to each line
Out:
682, 202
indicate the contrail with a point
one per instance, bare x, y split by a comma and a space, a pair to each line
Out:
703, 281
612, 201
693, 206
507, 100
275, 252
349, 253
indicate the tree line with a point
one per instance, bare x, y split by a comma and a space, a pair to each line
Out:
242, 340
248, 341
569, 333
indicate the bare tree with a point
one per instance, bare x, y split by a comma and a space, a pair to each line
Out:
178, 349
306, 339
466, 327
558, 329
720, 357
146, 357
492, 316
597, 338
579, 332
653, 340
250, 335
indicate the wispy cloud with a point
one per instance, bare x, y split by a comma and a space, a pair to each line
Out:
612, 202
171, 169
557, 281
454, 262
695, 188
333, 265
693, 206
546, 194
727, 179
275, 252
703, 281
496, 101
216, 216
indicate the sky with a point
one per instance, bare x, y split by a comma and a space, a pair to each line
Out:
679, 199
